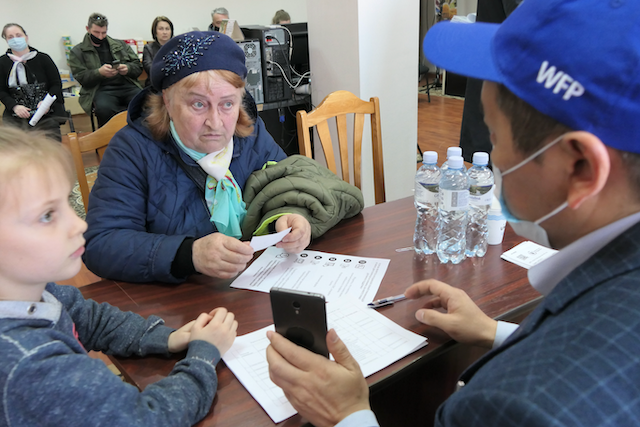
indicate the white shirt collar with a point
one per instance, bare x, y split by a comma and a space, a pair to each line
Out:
48, 309
545, 276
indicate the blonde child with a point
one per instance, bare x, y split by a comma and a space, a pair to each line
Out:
46, 377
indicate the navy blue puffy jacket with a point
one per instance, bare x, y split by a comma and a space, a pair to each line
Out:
143, 204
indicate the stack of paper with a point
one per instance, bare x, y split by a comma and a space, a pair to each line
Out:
373, 340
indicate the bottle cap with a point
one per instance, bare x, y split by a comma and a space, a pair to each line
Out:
455, 162
454, 151
429, 157
480, 158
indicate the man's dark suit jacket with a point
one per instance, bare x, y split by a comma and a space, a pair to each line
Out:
575, 361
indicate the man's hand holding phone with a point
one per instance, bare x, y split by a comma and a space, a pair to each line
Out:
122, 69
323, 391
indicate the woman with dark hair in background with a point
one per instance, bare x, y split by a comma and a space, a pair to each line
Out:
162, 31
26, 76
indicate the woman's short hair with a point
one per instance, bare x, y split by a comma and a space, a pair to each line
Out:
33, 149
12, 24
280, 16
154, 26
158, 117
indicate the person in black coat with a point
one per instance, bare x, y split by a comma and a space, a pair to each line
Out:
162, 31
474, 135
26, 76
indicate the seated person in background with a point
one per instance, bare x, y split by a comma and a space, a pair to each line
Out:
281, 17
47, 377
26, 76
107, 69
217, 16
162, 31
167, 202
569, 146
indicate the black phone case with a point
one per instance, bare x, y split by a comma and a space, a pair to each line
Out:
301, 317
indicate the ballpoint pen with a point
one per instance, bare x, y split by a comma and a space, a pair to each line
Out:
385, 301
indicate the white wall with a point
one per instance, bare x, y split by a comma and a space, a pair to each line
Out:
46, 21
373, 51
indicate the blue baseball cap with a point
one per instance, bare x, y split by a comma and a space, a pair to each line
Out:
577, 61
193, 52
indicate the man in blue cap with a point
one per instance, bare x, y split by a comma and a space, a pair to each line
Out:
561, 99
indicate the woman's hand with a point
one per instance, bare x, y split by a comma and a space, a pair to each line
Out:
21, 111
217, 255
46, 111
217, 327
300, 236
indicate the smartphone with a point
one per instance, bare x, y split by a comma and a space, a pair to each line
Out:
301, 317
115, 63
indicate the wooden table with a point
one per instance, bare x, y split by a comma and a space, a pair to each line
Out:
500, 288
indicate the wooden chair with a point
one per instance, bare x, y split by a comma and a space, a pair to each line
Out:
338, 104
95, 141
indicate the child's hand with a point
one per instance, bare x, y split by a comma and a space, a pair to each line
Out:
218, 328
179, 339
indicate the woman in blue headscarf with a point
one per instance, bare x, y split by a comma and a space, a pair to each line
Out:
168, 199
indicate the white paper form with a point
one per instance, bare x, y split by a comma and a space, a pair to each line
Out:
373, 340
331, 275
527, 254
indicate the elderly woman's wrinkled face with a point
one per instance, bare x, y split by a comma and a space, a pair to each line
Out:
206, 114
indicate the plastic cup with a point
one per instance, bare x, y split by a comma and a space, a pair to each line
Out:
496, 223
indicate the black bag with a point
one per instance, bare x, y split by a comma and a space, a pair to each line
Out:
29, 95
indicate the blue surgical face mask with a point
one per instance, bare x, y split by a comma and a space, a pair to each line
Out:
17, 44
527, 229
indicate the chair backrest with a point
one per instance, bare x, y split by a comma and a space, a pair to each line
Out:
95, 141
338, 104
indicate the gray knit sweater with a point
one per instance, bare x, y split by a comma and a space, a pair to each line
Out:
47, 378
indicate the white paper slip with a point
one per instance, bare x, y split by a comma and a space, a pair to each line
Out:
259, 243
527, 254
331, 275
47, 102
373, 340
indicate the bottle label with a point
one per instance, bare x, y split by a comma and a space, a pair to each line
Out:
429, 193
454, 200
481, 195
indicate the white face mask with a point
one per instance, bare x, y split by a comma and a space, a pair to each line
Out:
527, 229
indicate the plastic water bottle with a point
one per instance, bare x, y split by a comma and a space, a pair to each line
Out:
452, 212
427, 182
480, 198
451, 151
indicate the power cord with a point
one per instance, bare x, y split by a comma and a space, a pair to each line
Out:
284, 76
